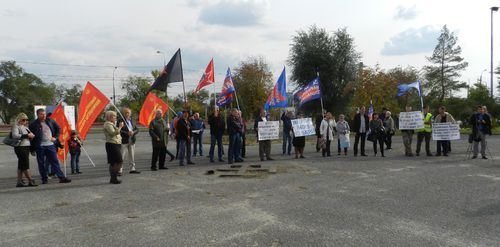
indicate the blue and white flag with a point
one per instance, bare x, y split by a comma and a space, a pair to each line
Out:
310, 92
403, 88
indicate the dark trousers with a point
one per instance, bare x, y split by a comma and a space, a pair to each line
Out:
75, 161
326, 150
442, 146
184, 151
159, 154
243, 145
380, 140
358, 136
234, 149
265, 149
420, 137
287, 139
388, 140
50, 153
197, 144
215, 139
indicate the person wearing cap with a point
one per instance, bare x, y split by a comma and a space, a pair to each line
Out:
46, 133
128, 133
21, 132
183, 134
158, 130
75, 145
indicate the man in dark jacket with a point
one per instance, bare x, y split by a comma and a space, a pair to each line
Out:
197, 129
361, 125
183, 134
217, 127
481, 126
234, 129
128, 133
46, 133
158, 130
287, 129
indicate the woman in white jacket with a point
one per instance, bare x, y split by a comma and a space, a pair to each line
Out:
327, 131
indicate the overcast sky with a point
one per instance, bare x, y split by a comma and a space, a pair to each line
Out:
128, 33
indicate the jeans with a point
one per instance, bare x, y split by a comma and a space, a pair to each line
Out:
197, 141
75, 162
234, 149
287, 138
184, 151
50, 153
380, 140
358, 136
483, 144
215, 139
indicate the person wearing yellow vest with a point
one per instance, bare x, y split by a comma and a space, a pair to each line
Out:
426, 132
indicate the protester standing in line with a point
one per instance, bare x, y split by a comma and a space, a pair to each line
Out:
158, 130
481, 126
46, 133
75, 146
173, 129
361, 124
243, 135
197, 129
408, 137
378, 131
21, 132
286, 117
234, 129
113, 146
327, 130
217, 127
443, 117
425, 133
299, 142
128, 133
264, 145
343, 131
319, 119
183, 133
390, 128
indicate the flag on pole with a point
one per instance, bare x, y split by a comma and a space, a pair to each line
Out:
60, 118
92, 103
310, 92
227, 93
172, 72
149, 107
207, 78
277, 98
403, 88
370, 111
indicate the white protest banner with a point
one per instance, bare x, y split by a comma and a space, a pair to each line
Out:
69, 111
303, 127
411, 120
445, 131
269, 130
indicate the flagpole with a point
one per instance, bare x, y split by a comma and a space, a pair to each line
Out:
118, 110
64, 157
237, 102
88, 156
321, 95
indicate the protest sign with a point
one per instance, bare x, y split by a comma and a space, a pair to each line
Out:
411, 120
269, 130
303, 127
445, 131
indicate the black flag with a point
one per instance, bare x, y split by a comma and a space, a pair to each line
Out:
171, 73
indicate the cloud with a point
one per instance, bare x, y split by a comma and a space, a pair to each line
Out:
412, 41
234, 13
406, 13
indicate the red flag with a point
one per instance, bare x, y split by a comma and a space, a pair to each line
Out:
91, 105
207, 78
60, 118
148, 110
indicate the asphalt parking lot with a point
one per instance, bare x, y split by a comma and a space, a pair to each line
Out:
333, 201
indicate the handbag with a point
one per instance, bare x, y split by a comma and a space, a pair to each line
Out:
371, 137
8, 140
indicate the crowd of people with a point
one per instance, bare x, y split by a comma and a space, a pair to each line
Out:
40, 138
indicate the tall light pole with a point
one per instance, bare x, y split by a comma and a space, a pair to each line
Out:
164, 58
493, 9
114, 95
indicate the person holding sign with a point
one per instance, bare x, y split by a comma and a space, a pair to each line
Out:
327, 130
407, 136
343, 131
443, 117
378, 131
361, 122
299, 142
425, 133
264, 145
481, 126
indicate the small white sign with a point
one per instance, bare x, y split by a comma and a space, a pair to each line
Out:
303, 127
445, 131
269, 130
411, 120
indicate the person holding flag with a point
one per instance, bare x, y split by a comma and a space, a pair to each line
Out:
46, 133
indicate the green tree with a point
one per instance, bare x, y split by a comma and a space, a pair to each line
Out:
72, 94
333, 56
446, 65
136, 89
253, 81
20, 90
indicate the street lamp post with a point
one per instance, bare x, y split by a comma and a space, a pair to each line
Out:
114, 95
164, 58
493, 9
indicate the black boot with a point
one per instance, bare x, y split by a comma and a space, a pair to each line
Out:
113, 172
